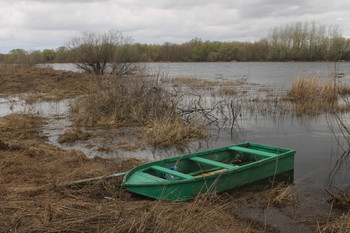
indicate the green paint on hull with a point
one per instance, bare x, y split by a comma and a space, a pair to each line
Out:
184, 177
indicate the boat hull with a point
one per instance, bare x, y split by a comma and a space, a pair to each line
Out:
187, 187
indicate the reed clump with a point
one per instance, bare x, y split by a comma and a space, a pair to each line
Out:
280, 196
72, 135
195, 83
167, 132
338, 225
21, 126
339, 198
312, 96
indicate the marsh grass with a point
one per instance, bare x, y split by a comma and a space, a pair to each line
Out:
21, 126
195, 83
116, 101
72, 135
280, 196
339, 198
167, 132
338, 225
41, 83
313, 96
217, 87
148, 103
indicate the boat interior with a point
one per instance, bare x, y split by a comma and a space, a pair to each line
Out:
206, 164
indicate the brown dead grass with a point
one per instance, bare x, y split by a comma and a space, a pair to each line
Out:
20, 126
339, 198
195, 83
32, 200
41, 83
118, 101
166, 132
313, 96
280, 196
140, 102
72, 135
338, 225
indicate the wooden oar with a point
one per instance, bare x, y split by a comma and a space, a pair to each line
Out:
92, 179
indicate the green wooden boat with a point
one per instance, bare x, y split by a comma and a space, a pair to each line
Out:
182, 178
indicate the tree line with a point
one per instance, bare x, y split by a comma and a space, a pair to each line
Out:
296, 41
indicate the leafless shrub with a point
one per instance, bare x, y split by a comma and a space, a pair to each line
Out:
100, 53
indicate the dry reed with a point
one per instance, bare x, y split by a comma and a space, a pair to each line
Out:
280, 196
137, 101
72, 135
338, 225
312, 96
167, 132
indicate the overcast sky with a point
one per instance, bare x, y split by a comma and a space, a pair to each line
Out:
41, 24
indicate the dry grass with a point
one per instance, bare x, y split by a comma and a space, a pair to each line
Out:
72, 135
339, 198
20, 126
167, 132
116, 101
313, 96
31, 199
217, 87
141, 102
195, 83
41, 83
280, 196
339, 225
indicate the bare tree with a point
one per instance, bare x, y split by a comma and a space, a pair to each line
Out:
101, 53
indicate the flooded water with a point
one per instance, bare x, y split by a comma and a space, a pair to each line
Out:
318, 162
274, 74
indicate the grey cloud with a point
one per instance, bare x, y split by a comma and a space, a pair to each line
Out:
38, 23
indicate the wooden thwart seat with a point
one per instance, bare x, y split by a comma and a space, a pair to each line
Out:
210, 173
172, 172
251, 151
212, 162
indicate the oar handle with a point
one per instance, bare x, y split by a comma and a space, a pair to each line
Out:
92, 179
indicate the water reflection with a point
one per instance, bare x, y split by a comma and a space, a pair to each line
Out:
13, 105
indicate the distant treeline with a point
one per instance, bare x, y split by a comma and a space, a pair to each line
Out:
292, 42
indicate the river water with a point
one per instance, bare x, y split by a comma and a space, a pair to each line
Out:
274, 74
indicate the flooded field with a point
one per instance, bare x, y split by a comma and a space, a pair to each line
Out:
321, 161
316, 139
